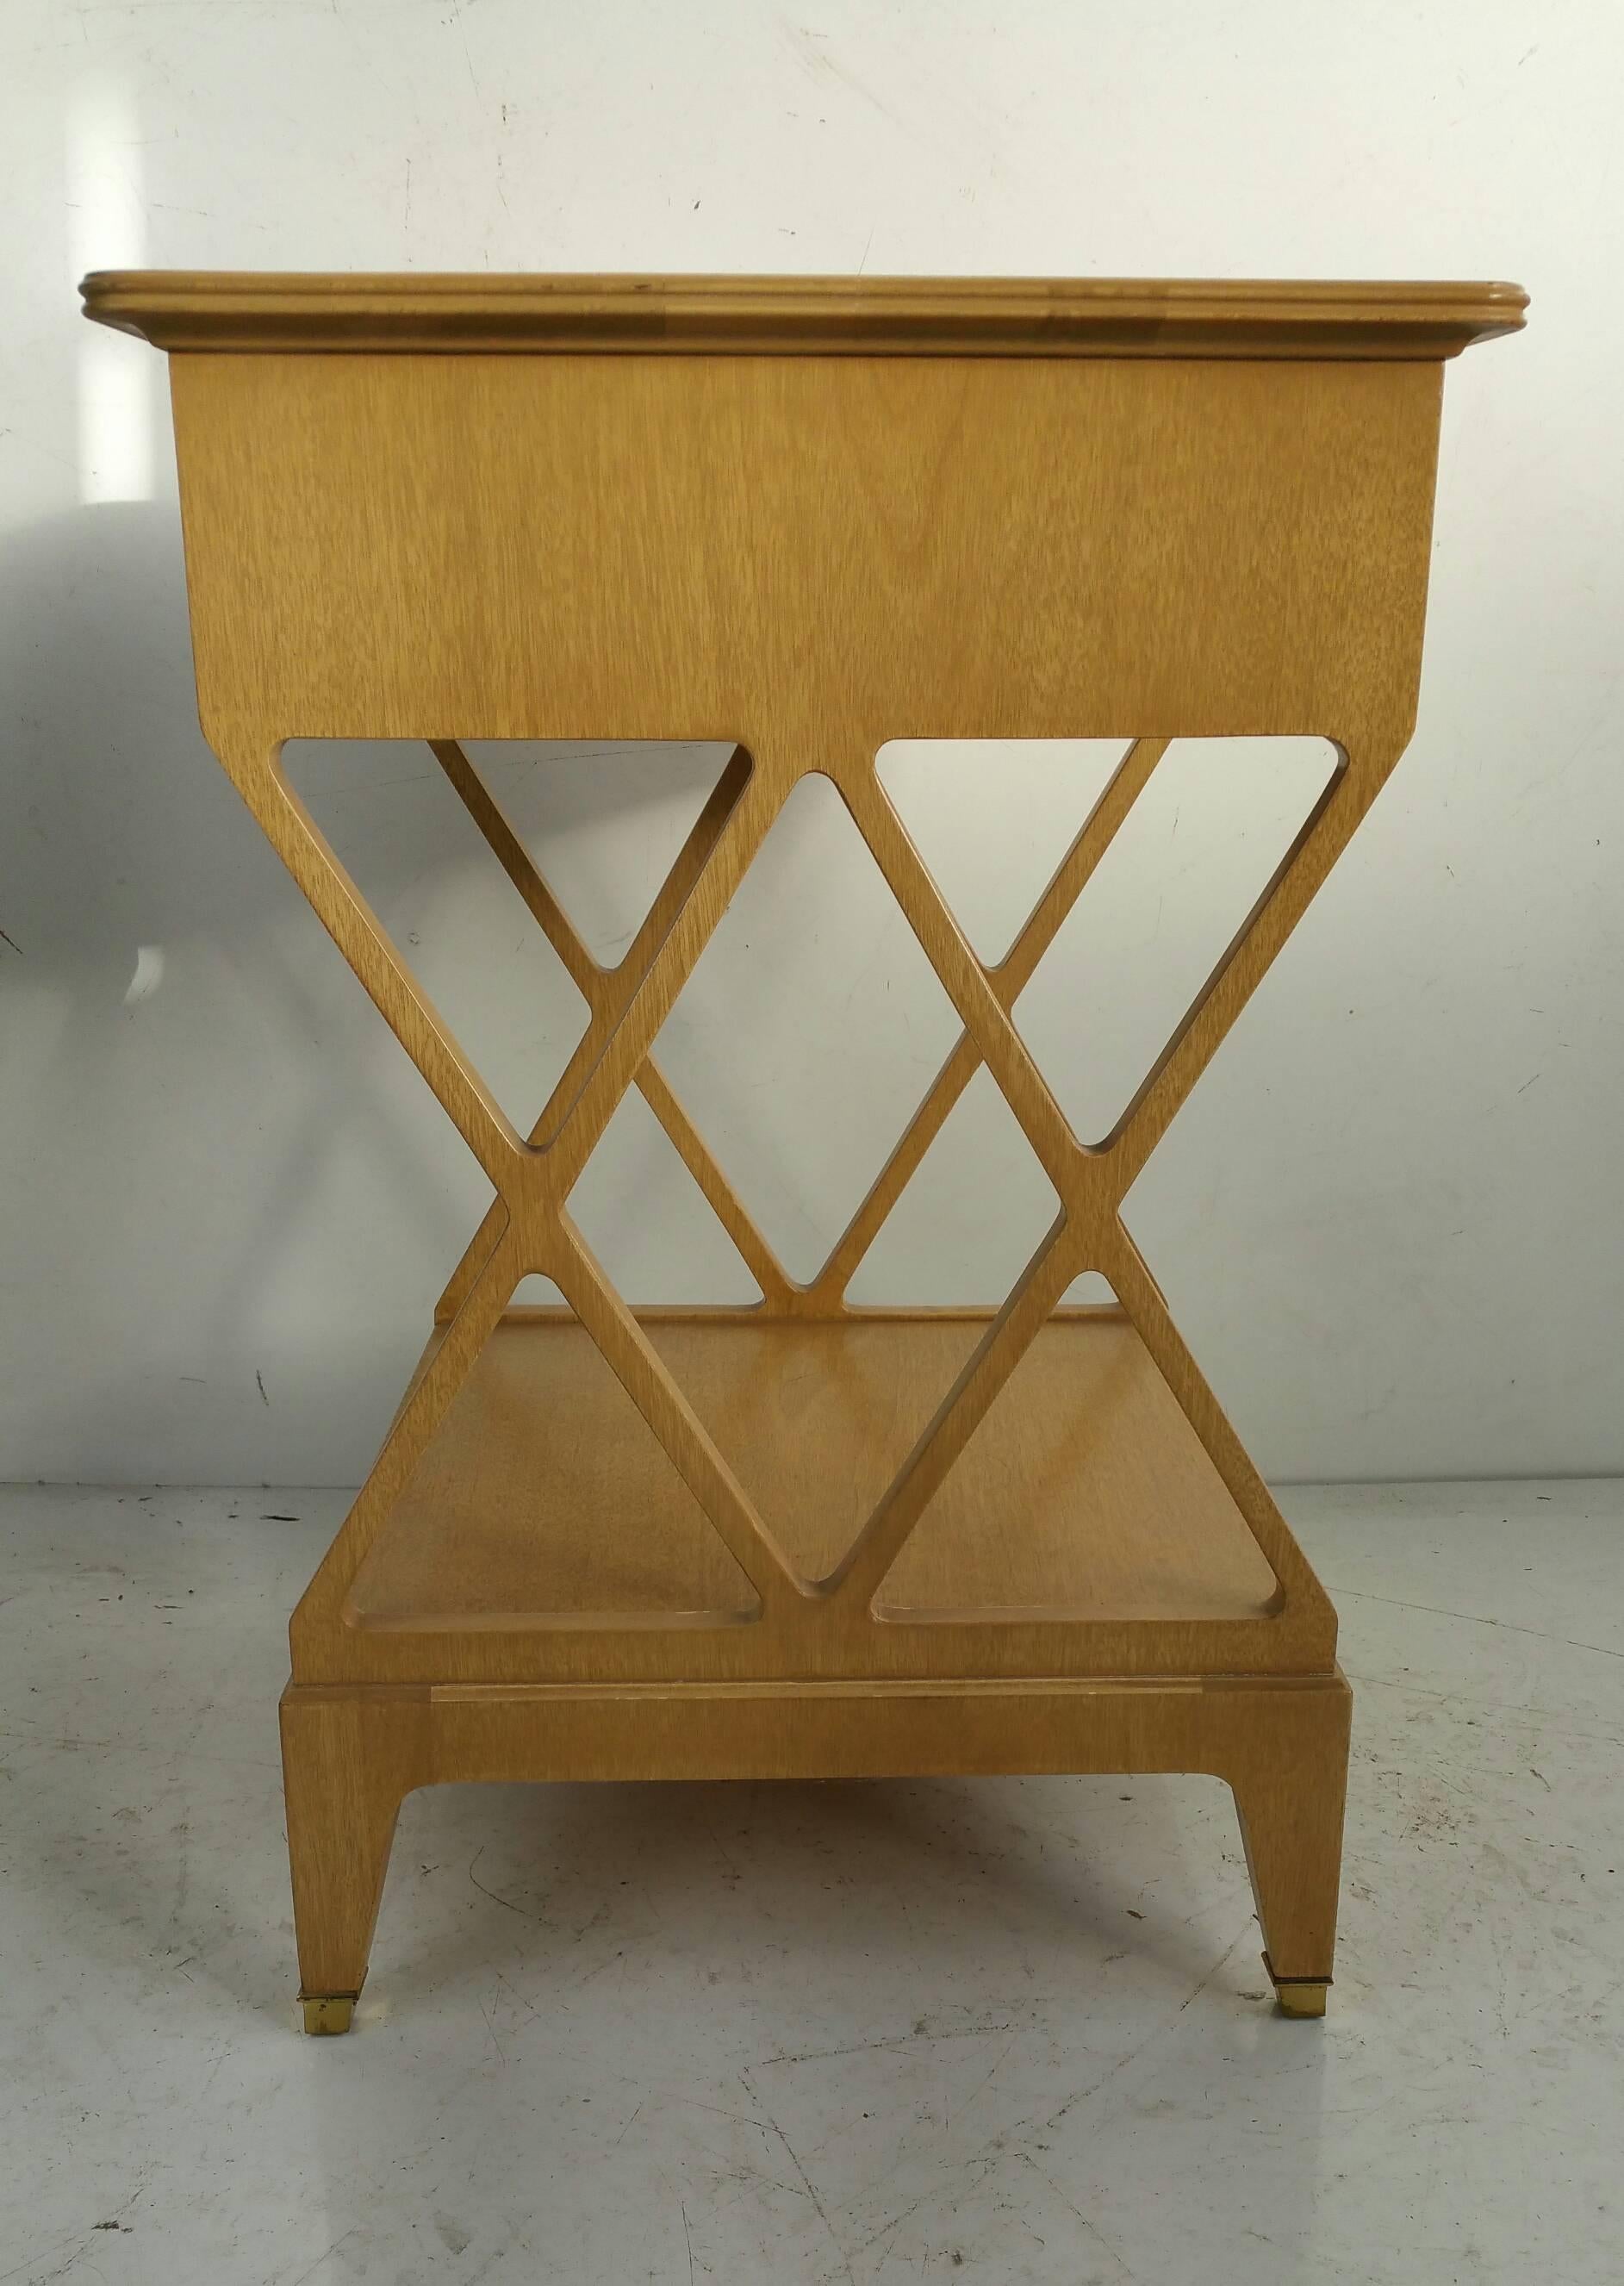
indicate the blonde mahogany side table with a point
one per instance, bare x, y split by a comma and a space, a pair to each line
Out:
805, 517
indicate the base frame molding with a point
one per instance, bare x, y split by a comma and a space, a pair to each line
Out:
353, 1752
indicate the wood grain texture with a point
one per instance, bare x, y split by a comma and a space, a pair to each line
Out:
1121, 1513
806, 1540
804, 557
1281, 1746
606, 990
868, 316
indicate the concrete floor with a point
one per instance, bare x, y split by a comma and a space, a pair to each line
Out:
853, 2033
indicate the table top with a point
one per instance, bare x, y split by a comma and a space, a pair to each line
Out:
868, 316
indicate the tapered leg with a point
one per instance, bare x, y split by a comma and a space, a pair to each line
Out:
347, 1762
1290, 1798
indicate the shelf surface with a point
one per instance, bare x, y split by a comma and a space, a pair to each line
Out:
867, 317
545, 1500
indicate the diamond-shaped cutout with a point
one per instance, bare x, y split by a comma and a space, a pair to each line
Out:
1139, 869
809, 1030
646, 1219
1084, 1493
970, 1217
992, 818
1200, 846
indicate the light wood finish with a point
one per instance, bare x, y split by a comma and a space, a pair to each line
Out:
1281, 1746
858, 317
837, 1541
607, 991
1124, 1516
695, 547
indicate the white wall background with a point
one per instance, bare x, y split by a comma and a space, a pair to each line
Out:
1388, 1220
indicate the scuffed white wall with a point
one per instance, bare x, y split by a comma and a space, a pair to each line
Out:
1388, 1220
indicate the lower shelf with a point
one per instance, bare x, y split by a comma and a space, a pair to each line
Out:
545, 1500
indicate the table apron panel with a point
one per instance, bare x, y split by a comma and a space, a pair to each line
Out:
808, 555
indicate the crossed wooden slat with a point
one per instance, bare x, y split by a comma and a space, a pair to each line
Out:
607, 991
529, 1228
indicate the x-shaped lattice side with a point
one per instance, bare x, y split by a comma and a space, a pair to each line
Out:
529, 1228
606, 990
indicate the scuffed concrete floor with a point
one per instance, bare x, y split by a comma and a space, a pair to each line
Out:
1010, 2031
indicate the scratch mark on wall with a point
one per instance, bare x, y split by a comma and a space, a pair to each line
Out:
823, 69
456, 17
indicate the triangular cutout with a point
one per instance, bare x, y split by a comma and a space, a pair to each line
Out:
1198, 848
545, 1500
1084, 1494
648, 1222
992, 818
603, 821
815, 1417
809, 1030
602, 826
970, 1217
538, 1293
406, 840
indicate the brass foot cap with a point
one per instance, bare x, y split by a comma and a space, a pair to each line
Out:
1298, 1996
328, 2012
